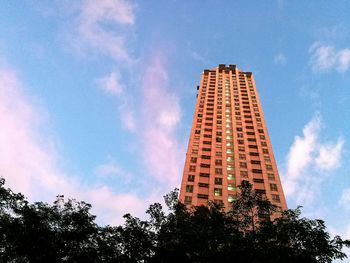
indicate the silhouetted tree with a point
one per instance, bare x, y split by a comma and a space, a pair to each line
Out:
66, 232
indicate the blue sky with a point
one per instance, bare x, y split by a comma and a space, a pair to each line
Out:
97, 97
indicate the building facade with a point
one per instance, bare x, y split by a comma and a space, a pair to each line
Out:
229, 142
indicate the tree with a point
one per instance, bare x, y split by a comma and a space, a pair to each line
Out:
66, 231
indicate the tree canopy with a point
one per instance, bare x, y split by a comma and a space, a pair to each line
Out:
250, 231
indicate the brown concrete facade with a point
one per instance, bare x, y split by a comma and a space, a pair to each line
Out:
229, 141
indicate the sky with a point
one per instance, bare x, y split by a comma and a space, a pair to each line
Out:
97, 97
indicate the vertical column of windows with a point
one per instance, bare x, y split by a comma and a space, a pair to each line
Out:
192, 172
266, 157
243, 110
218, 172
206, 149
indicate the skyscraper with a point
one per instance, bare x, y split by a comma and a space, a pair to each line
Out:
229, 141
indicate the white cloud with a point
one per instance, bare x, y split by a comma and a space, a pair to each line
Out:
28, 160
299, 156
111, 84
325, 58
329, 155
280, 59
308, 162
343, 60
101, 26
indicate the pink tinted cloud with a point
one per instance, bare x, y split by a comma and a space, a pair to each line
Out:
28, 159
161, 115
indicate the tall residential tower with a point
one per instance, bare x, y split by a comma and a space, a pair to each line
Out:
229, 141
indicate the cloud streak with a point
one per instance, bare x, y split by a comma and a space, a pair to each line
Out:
161, 115
100, 26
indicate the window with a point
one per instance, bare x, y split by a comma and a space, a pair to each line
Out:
244, 174
193, 159
257, 171
243, 165
206, 149
255, 162
253, 154
218, 154
230, 177
188, 200
230, 167
218, 180
231, 187
194, 151
242, 156
204, 175
230, 159
271, 176
241, 148
218, 170
240, 141
217, 191
231, 198
265, 150
205, 165
204, 185
253, 146
268, 167
197, 132
190, 178
229, 151
192, 168
276, 198
202, 196
189, 188
218, 162
273, 187
258, 180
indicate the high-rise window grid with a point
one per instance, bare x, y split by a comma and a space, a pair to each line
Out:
228, 143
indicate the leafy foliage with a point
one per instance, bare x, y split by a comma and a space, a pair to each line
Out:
66, 232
